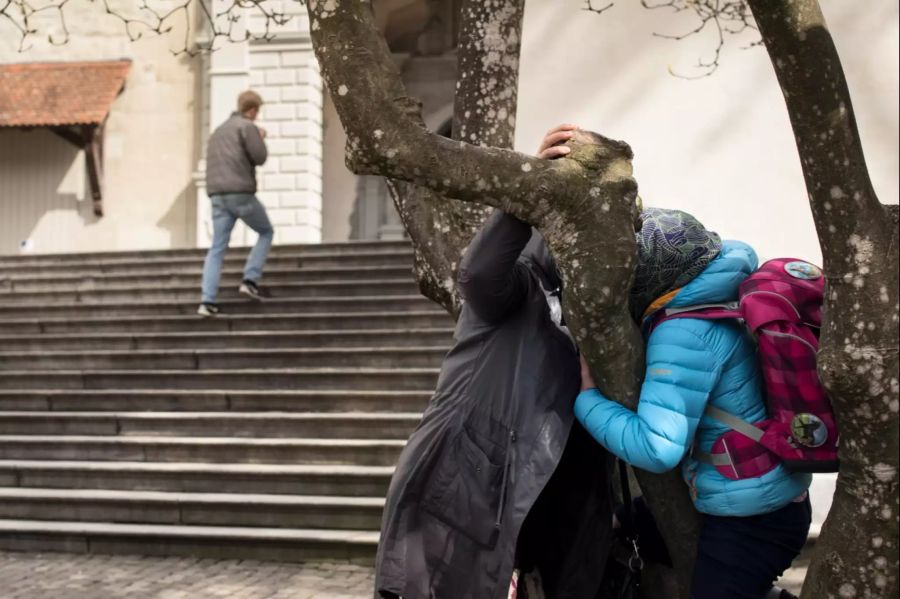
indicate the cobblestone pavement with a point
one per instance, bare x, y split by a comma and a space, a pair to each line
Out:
64, 576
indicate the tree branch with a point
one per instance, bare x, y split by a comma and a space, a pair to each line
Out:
484, 114
857, 553
728, 17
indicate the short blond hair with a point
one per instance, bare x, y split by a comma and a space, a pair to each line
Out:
249, 100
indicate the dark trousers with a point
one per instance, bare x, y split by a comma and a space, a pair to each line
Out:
741, 558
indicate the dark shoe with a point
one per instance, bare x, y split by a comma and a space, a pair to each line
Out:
252, 290
208, 310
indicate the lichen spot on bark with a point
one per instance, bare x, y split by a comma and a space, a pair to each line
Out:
884, 472
864, 248
329, 8
526, 168
343, 90
619, 169
847, 591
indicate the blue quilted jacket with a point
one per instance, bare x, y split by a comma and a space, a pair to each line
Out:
691, 362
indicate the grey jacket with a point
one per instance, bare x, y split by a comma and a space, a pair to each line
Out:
497, 471
235, 149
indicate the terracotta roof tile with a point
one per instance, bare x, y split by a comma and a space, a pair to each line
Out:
42, 94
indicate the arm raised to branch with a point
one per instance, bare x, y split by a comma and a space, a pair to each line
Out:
583, 205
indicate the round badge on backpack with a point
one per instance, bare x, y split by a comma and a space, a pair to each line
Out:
809, 430
803, 270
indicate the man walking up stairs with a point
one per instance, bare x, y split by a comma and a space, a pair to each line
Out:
127, 425
235, 149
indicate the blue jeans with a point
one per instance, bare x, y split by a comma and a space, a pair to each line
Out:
227, 209
740, 558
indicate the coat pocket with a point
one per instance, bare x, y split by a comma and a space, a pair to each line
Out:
465, 490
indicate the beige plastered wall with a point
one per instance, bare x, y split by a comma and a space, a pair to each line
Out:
151, 150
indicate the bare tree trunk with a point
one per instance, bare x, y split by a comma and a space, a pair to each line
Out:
857, 553
441, 228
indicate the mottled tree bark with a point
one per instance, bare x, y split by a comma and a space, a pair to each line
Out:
484, 114
857, 552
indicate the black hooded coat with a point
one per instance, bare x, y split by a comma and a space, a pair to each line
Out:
498, 474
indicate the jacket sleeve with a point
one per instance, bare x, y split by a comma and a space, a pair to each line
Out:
254, 144
682, 371
491, 279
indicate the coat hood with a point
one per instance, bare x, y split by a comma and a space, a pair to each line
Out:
719, 282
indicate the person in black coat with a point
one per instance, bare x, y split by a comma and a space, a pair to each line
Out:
498, 475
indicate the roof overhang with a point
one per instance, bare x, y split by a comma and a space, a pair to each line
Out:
72, 99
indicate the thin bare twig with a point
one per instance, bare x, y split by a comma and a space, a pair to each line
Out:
147, 17
589, 6
728, 18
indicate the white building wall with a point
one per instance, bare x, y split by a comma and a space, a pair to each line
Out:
286, 74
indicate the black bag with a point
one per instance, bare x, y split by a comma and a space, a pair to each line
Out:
622, 579
636, 542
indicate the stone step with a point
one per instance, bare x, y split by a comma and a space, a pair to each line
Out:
190, 477
361, 452
234, 262
218, 542
308, 379
170, 307
192, 509
131, 400
143, 280
252, 323
227, 340
211, 359
353, 248
257, 425
188, 293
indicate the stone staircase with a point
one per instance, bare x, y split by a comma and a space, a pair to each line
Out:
130, 425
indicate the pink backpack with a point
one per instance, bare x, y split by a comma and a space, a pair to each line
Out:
781, 304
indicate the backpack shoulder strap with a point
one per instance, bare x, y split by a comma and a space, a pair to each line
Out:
734, 423
726, 311
709, 311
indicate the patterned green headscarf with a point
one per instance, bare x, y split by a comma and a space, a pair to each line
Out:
673, 248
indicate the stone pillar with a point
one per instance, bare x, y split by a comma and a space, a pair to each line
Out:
286, 74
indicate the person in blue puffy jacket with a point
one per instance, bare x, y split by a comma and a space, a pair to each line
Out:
752, 528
